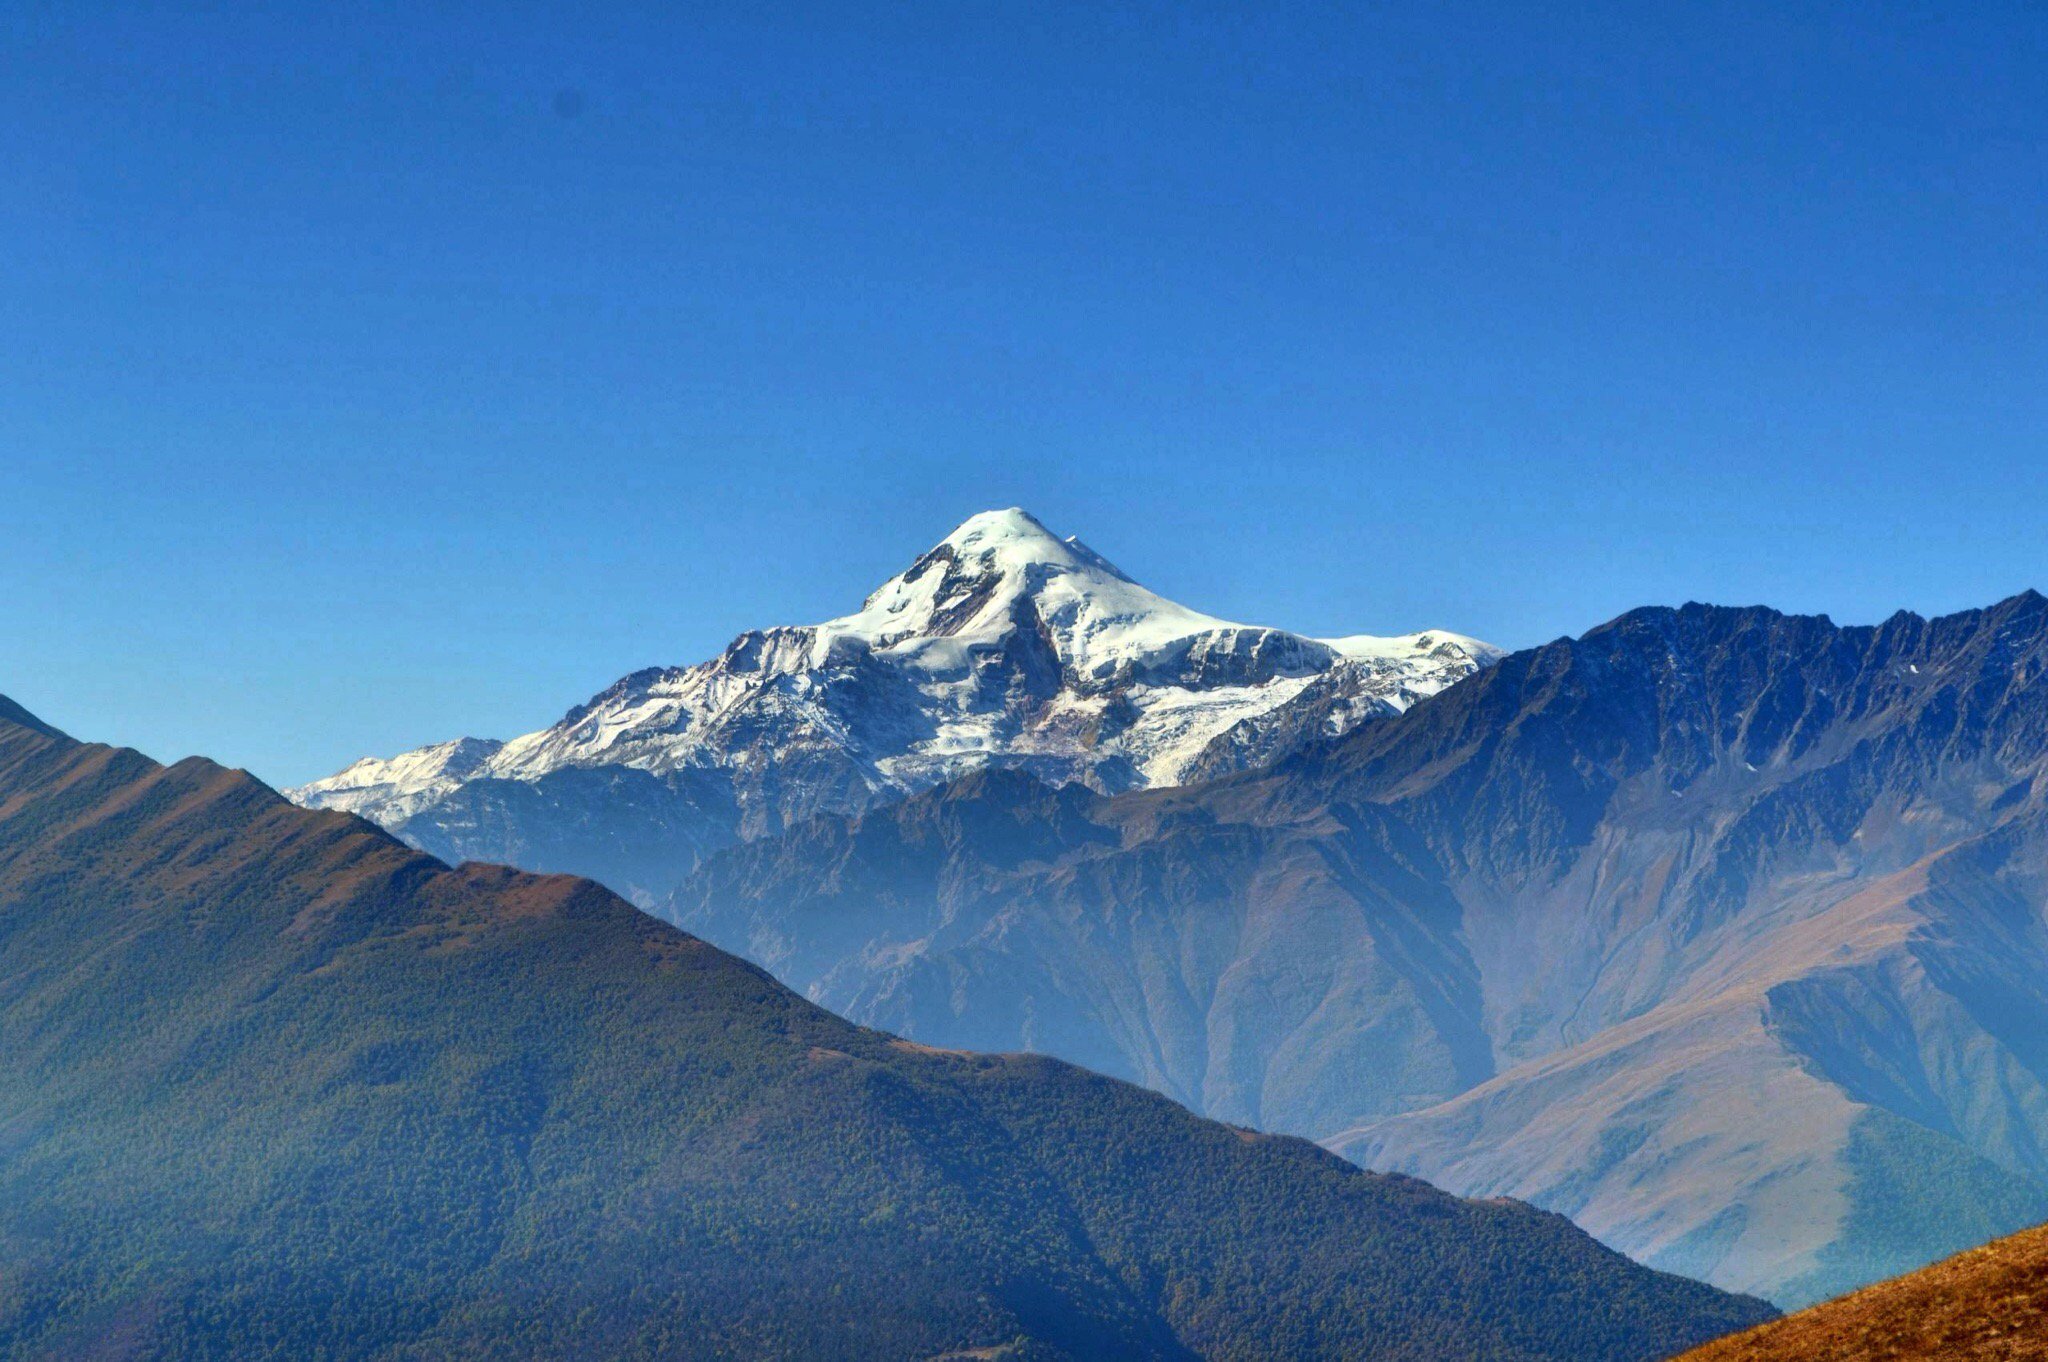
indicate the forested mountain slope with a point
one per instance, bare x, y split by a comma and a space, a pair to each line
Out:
273, 1085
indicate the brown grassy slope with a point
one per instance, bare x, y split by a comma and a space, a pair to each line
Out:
1987, 1305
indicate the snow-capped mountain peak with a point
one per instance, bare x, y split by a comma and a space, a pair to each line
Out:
1003, 644
1002, 570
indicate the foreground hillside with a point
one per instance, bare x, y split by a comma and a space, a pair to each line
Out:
1717, 930
1987, 1305
272, 1085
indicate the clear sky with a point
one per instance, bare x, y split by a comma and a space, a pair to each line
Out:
370, 375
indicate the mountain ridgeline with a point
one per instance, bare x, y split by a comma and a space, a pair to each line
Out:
1718, 930
1004, 645
274, 1085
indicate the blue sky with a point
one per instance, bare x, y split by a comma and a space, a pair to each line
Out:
376, 374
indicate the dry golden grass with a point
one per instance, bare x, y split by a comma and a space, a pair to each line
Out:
1987, 1305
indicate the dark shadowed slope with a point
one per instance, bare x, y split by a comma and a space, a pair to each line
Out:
1718, 930
274, 1086
1987, 1305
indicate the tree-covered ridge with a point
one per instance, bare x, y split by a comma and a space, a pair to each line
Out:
274, 1086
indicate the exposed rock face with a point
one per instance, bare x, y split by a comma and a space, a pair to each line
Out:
1004, 645
1719, 930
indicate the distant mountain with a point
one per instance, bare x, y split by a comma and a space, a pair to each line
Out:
1718, 930
1987, 1305
274, 1086
1002, 646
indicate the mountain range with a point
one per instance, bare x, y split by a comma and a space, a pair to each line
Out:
1718, 930
1002, 646
275, 1085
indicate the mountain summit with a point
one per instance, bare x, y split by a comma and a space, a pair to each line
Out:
1003, 645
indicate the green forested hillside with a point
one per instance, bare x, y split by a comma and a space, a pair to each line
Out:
274, 1086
